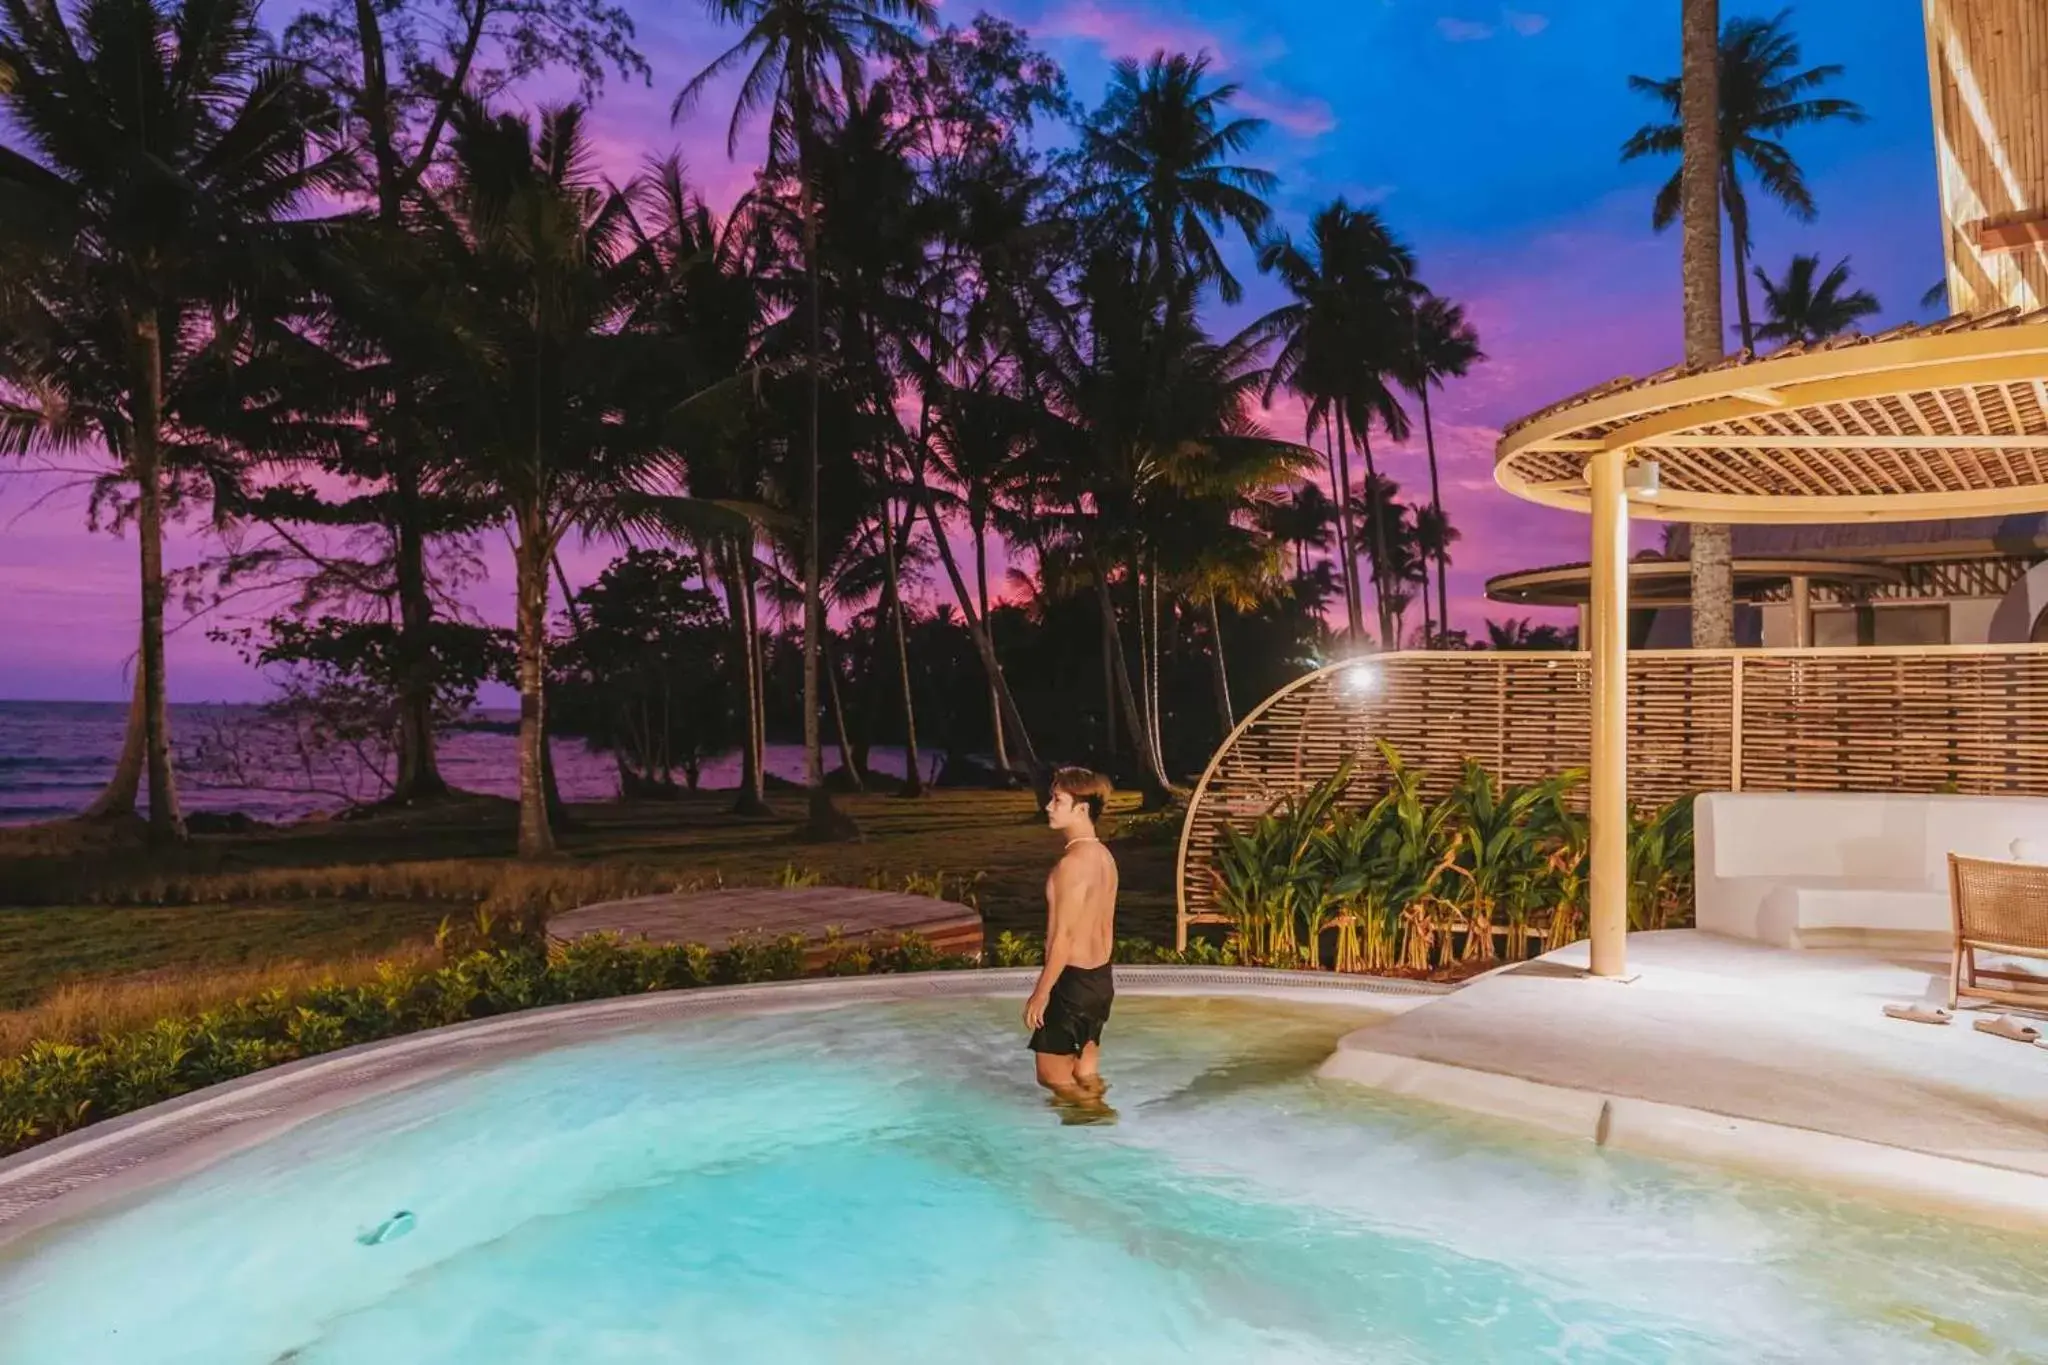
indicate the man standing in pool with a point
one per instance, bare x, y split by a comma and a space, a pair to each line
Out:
1070, 1004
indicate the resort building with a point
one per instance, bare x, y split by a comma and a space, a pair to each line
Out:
1964, 581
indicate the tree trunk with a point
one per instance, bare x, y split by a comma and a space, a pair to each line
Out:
752, 798
824, 821
1151, 780
1376, 525
536, 835
166, 819
1221, 672
419, 770
1347, 534
1436, 503
1109, 731
977, 630
846, 762
995, 705
1738, 250
117, 798
913, 777
1700, 172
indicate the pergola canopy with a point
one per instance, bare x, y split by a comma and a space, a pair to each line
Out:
1940, 420
1665, 582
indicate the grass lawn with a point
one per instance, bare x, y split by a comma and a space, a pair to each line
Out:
67, 932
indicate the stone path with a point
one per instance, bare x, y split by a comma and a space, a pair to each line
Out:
716, 918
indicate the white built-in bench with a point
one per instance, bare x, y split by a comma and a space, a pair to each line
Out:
1820, 869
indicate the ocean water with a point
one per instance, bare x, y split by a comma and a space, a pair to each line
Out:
884, 1184
56, 756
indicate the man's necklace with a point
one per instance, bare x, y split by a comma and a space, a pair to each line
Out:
1083, 839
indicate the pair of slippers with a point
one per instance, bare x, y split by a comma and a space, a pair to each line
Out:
2004, 1026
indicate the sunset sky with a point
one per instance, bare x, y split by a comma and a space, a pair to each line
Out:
1487, 135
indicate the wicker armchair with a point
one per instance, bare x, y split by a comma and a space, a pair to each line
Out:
2002, 908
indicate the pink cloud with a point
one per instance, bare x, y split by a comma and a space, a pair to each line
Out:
1302, 116
1526, 24
1463, 30
1123, 32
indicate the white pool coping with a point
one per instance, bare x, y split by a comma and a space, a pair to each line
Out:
1776, 1062
68, 1176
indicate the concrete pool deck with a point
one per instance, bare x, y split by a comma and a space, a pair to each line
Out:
1731, 1052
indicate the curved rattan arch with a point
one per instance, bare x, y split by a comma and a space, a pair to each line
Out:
1950, 718
1946, 420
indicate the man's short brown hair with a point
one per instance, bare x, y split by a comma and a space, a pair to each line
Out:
1083, 785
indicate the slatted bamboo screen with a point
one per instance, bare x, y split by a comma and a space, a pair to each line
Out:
1988, 65
1962, 718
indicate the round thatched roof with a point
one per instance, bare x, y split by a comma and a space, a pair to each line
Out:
1944, 420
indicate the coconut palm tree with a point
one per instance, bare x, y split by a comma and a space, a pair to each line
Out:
1762, 94
1339, 343
1303, 519
1159, 151
159, 155
541, 371
803, 59
1147, 414
1802, 310
703, 300
1434, 537
1443, 346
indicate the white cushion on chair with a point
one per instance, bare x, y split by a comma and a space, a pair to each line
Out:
2030, 850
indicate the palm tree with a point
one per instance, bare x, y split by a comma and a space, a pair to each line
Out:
1147, 417
1159, 147
1340, 342
160, 151
1444, 346
1802, 311
1303, 520
704, 299
1762, 95
541, 371
803, 59
1434, 537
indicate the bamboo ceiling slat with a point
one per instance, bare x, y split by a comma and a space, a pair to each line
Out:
1953, 718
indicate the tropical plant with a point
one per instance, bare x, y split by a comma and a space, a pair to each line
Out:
1270, 880
804, 60
1807, 311
1157, 164
539, 374
1660, 865
1340, 343
150, 204
396, 73
1763, 95
1442, 345
1498, 852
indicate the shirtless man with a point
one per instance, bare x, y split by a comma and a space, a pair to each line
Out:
1070, 1004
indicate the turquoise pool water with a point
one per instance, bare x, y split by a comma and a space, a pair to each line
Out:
882, 1183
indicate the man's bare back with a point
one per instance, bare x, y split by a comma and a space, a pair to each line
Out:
1071, 1001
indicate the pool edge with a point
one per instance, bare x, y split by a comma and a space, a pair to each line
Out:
66, 1176
1903, 1178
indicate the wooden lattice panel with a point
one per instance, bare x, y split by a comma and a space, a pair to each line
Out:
1967, 719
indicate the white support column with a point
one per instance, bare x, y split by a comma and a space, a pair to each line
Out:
1802, 612
1607, 924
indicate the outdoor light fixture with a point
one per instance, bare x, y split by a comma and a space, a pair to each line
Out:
1361, 680
1642, 479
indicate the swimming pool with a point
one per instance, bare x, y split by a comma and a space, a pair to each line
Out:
882, 1183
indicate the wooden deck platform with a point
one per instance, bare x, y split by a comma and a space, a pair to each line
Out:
716, 918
